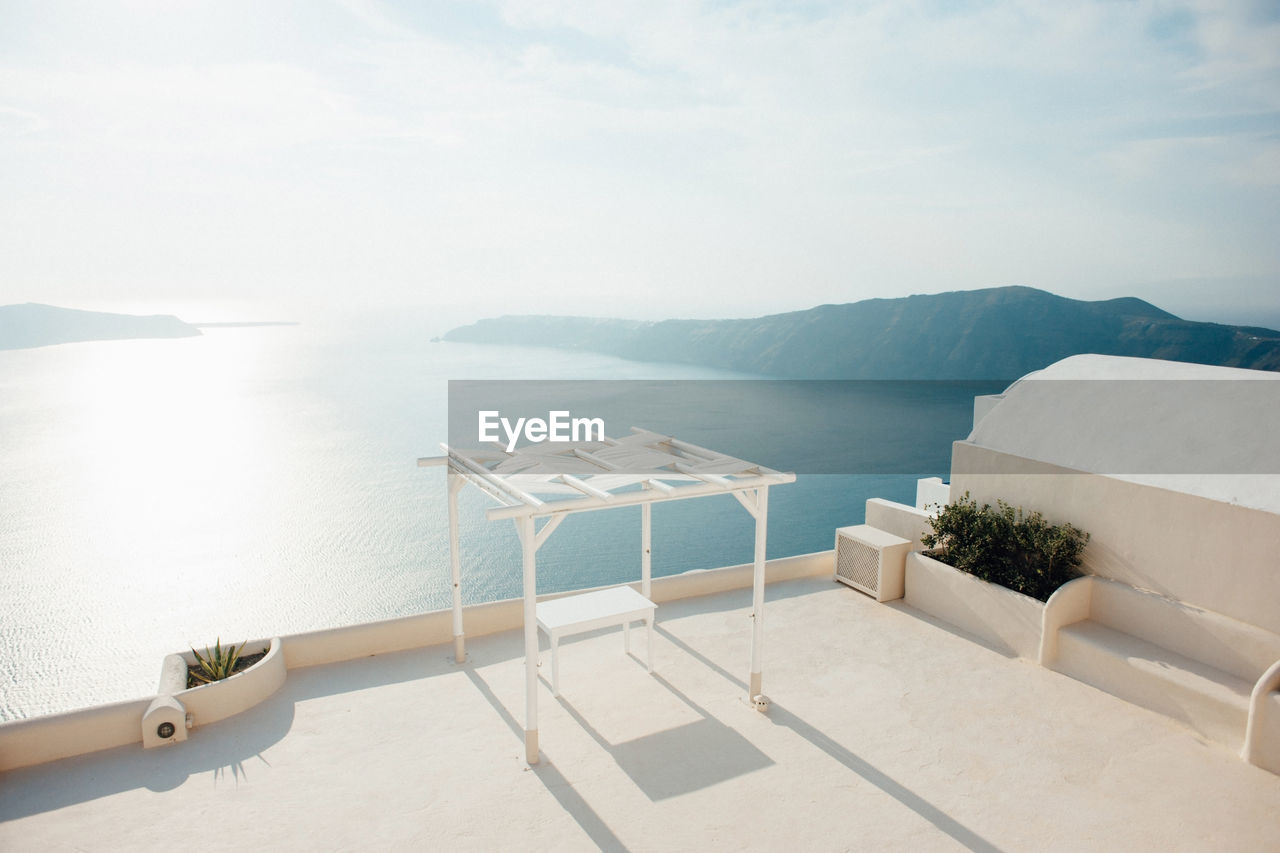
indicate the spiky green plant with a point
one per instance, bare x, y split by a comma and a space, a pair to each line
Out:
216, 663
1005, 546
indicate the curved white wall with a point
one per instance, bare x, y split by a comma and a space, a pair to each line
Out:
209, 703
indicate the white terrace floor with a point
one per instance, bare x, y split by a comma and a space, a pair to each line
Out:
887, 731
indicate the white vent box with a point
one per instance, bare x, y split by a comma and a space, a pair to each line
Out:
871, 561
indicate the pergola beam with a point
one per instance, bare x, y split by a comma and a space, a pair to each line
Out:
750, 504
585, 504
484, 485
665, 488
586, 488
547, 529
708, 454
714, 479
487, 475
594, 460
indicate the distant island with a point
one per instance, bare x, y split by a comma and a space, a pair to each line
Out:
995, 333
36, 325
247, 324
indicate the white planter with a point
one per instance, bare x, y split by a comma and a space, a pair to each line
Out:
1008, 621
209, 703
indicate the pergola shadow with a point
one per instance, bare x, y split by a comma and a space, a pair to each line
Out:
692, 756
556, 784
779, 715
682, 759
886, 783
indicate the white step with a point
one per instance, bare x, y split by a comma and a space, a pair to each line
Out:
1209, 700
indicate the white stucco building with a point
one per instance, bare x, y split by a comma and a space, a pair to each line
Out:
1174, 470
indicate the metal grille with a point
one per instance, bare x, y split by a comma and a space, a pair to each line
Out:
858, 564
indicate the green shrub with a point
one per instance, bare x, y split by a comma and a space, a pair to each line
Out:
216, 663
1022, 552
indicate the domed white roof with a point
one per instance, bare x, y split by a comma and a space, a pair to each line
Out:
1205, 430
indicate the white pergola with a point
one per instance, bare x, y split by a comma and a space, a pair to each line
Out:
640, 469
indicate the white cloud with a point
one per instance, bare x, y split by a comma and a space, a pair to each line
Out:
181, 108
15, 122
677, 157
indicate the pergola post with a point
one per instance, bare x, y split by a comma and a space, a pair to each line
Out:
529, 548
455, 567
646, 564
757, 597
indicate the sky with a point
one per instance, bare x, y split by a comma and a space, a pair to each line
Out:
652, 159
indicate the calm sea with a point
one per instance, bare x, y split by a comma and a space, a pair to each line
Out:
160, 494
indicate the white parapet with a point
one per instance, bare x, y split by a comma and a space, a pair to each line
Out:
47, 738
909, 522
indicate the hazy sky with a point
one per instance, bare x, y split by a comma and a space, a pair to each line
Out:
648, 159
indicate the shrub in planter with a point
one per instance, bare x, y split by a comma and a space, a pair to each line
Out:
1022, 552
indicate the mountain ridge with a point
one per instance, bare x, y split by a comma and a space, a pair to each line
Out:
33, 324
1002, 332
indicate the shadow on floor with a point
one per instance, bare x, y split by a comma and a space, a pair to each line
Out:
682, 759
959, 832
699, 754
781, 716
558, 786
701, 658
734, 599
919, 615
229, 748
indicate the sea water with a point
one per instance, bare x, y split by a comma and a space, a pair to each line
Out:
160, 494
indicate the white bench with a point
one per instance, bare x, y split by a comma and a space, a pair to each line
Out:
1210, 671
576, 614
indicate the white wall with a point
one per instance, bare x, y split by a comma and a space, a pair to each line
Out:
40, 739
907, 522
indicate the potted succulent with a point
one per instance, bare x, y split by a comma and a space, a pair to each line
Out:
218, 663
